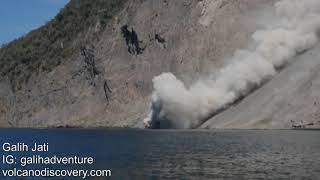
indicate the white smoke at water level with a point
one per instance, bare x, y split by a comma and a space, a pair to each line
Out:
295, 30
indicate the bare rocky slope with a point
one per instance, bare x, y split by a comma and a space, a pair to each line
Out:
292, 98
108, 81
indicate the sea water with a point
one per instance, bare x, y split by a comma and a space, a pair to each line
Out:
170, 154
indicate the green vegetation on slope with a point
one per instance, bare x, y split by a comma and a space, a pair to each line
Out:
45, 48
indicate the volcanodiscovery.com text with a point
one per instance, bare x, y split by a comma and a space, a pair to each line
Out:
46, 172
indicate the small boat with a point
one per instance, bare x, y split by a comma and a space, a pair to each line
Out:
309, 126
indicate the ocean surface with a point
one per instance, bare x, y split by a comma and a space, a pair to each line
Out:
170, 154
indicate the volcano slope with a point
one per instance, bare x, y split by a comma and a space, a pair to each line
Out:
292, 97
290, 28
93, 64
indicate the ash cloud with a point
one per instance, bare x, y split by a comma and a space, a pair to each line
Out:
295, 29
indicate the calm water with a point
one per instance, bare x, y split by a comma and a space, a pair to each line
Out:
139, 154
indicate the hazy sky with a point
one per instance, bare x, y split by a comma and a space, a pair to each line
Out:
18, 17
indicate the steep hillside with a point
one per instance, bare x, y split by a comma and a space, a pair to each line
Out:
92, 66
43, 49
292, 98
288, 29
77, 25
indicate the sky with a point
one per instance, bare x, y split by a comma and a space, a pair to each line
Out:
18, 17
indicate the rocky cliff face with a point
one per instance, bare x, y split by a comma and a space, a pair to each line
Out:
289, 100
289, 29
107, 82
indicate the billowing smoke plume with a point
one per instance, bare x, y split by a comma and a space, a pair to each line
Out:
296, 28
